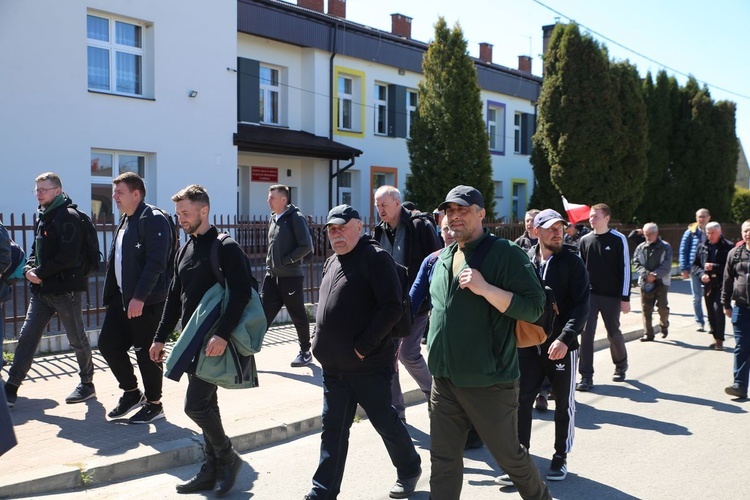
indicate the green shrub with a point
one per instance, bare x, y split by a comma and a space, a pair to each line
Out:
740, 205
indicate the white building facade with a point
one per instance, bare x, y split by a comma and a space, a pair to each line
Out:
234, 95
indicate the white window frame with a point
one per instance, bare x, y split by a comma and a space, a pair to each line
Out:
100, 181
410, 109
381, 106
344, 180
113, 49
346, 100
517, 137
496, 127
267, 91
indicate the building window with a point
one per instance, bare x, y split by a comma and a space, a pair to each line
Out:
105, 166
517, 137
345, 103
381, 109
270, 91
345, 187
411, 109
115, 55
496, 126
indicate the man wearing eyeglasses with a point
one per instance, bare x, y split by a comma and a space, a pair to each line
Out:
57, 275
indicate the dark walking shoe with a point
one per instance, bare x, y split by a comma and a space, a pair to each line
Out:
558, 470
619, 375
81, 393
737, 391
227, 469
647, 338
585, 384
11, 394
405, 487
664, 333
129, 401
717, 346
205, 480
303, 358
541, 403
147, 414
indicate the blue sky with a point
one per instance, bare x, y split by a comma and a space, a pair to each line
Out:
708, 40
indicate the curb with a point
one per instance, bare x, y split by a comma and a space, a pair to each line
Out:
188, 451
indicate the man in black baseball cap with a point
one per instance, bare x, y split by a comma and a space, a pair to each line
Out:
465, 196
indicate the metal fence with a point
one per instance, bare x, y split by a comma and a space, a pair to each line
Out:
250, 233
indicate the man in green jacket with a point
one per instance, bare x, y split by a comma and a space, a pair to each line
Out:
472, 350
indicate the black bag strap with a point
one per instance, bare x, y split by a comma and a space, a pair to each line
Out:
480, 253
213, 258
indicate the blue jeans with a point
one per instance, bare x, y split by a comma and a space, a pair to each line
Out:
741, 324
42, 307
341, 394
697, 290
410, 355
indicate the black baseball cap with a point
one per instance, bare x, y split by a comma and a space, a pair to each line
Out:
341, 215
465, 196
546, 218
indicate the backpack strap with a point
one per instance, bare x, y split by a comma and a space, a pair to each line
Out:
213, 258
477, 258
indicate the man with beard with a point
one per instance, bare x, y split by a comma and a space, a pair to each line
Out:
559, 268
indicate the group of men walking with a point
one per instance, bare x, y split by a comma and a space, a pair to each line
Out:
480, 286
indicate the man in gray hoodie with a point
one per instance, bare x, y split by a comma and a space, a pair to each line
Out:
289, 241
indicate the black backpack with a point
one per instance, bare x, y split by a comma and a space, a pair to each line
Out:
216, 268
90, 250
173, 231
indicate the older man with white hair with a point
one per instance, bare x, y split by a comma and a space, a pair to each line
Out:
653, 265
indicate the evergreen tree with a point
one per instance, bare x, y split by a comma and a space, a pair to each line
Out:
448, 144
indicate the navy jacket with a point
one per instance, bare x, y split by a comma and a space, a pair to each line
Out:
144, 258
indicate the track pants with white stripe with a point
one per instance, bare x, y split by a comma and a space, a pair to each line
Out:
535, 366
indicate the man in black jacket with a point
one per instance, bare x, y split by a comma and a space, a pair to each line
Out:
559, 268
652, 262
360, 302
289, 242
708, 266
409, 239
56, 271
192, 278
135, 289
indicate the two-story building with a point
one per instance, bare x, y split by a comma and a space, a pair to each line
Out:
234, 95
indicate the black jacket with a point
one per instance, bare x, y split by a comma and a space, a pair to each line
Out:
702, 255
57, 253
144, 258
193, 277
568, 278
360, 302
289, 241
421, 240
736, 273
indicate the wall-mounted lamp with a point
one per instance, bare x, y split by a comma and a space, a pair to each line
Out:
193, 93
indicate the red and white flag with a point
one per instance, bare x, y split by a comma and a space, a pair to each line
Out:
576, 212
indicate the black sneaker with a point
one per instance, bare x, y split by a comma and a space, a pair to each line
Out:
504, 480
11, 394
585, 384
129, 401
147, 414
302, 359
619, 375
558, 470
81, 393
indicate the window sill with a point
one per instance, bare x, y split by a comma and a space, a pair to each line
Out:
128, 96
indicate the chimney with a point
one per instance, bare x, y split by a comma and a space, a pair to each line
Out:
316, 5
546, 35
337, 8
485, 52
401, 25
524, 64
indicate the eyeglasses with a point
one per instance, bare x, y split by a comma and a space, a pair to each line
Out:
43, 190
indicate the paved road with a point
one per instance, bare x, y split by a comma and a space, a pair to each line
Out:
668, 432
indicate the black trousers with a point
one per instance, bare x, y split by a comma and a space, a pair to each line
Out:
535, 366
715, 309
287, 291
119, 334
202, 406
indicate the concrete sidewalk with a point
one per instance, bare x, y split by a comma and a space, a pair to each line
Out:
63, 447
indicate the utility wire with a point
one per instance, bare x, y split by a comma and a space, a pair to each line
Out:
638, 53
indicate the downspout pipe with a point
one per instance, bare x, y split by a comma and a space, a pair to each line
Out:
334, 42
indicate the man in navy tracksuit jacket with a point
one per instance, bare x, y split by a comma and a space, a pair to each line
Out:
605, 253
